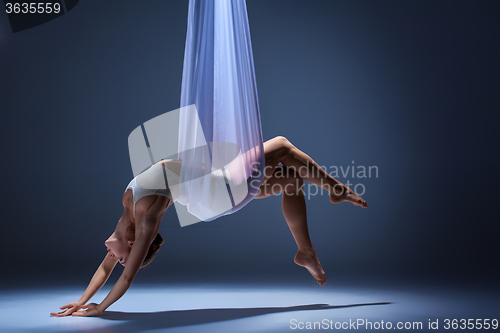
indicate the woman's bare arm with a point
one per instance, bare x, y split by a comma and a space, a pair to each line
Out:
144, 238
99, 279
145, 233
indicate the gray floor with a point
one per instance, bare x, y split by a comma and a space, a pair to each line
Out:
245, 308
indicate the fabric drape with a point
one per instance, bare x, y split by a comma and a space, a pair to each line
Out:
219, 80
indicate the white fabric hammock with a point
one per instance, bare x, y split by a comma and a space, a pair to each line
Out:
225, 135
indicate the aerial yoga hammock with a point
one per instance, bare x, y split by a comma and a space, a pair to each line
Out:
219, 79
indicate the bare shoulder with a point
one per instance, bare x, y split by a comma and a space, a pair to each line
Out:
128, 199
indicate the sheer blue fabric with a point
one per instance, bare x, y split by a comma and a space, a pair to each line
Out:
219, 79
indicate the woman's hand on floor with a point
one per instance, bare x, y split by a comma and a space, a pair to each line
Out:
70, 308
91, 309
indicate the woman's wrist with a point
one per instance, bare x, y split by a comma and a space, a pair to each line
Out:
100, 308
81, 302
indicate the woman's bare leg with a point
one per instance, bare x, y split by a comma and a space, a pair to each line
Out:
296, 166
294, 210
279, 149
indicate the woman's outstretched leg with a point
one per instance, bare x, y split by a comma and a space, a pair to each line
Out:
294, 210
288, 178
279, 149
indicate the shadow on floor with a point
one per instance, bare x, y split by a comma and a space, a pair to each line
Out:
143, 321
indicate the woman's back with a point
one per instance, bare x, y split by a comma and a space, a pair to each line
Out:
161, 178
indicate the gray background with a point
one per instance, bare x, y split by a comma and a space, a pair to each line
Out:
411, 87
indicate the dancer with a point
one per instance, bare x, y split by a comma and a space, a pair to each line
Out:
135, 240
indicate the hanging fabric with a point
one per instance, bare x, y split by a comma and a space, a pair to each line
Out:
222, 133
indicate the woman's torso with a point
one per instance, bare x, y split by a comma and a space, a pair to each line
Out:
152, 182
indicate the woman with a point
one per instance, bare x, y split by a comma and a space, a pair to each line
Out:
136, 239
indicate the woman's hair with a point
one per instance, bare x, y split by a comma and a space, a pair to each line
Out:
153, 248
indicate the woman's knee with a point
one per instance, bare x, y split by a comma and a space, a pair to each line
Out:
282, 141
284, 147
286, 150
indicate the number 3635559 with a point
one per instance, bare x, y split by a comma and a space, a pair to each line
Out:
33, 8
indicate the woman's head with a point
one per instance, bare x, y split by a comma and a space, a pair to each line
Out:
120, 243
